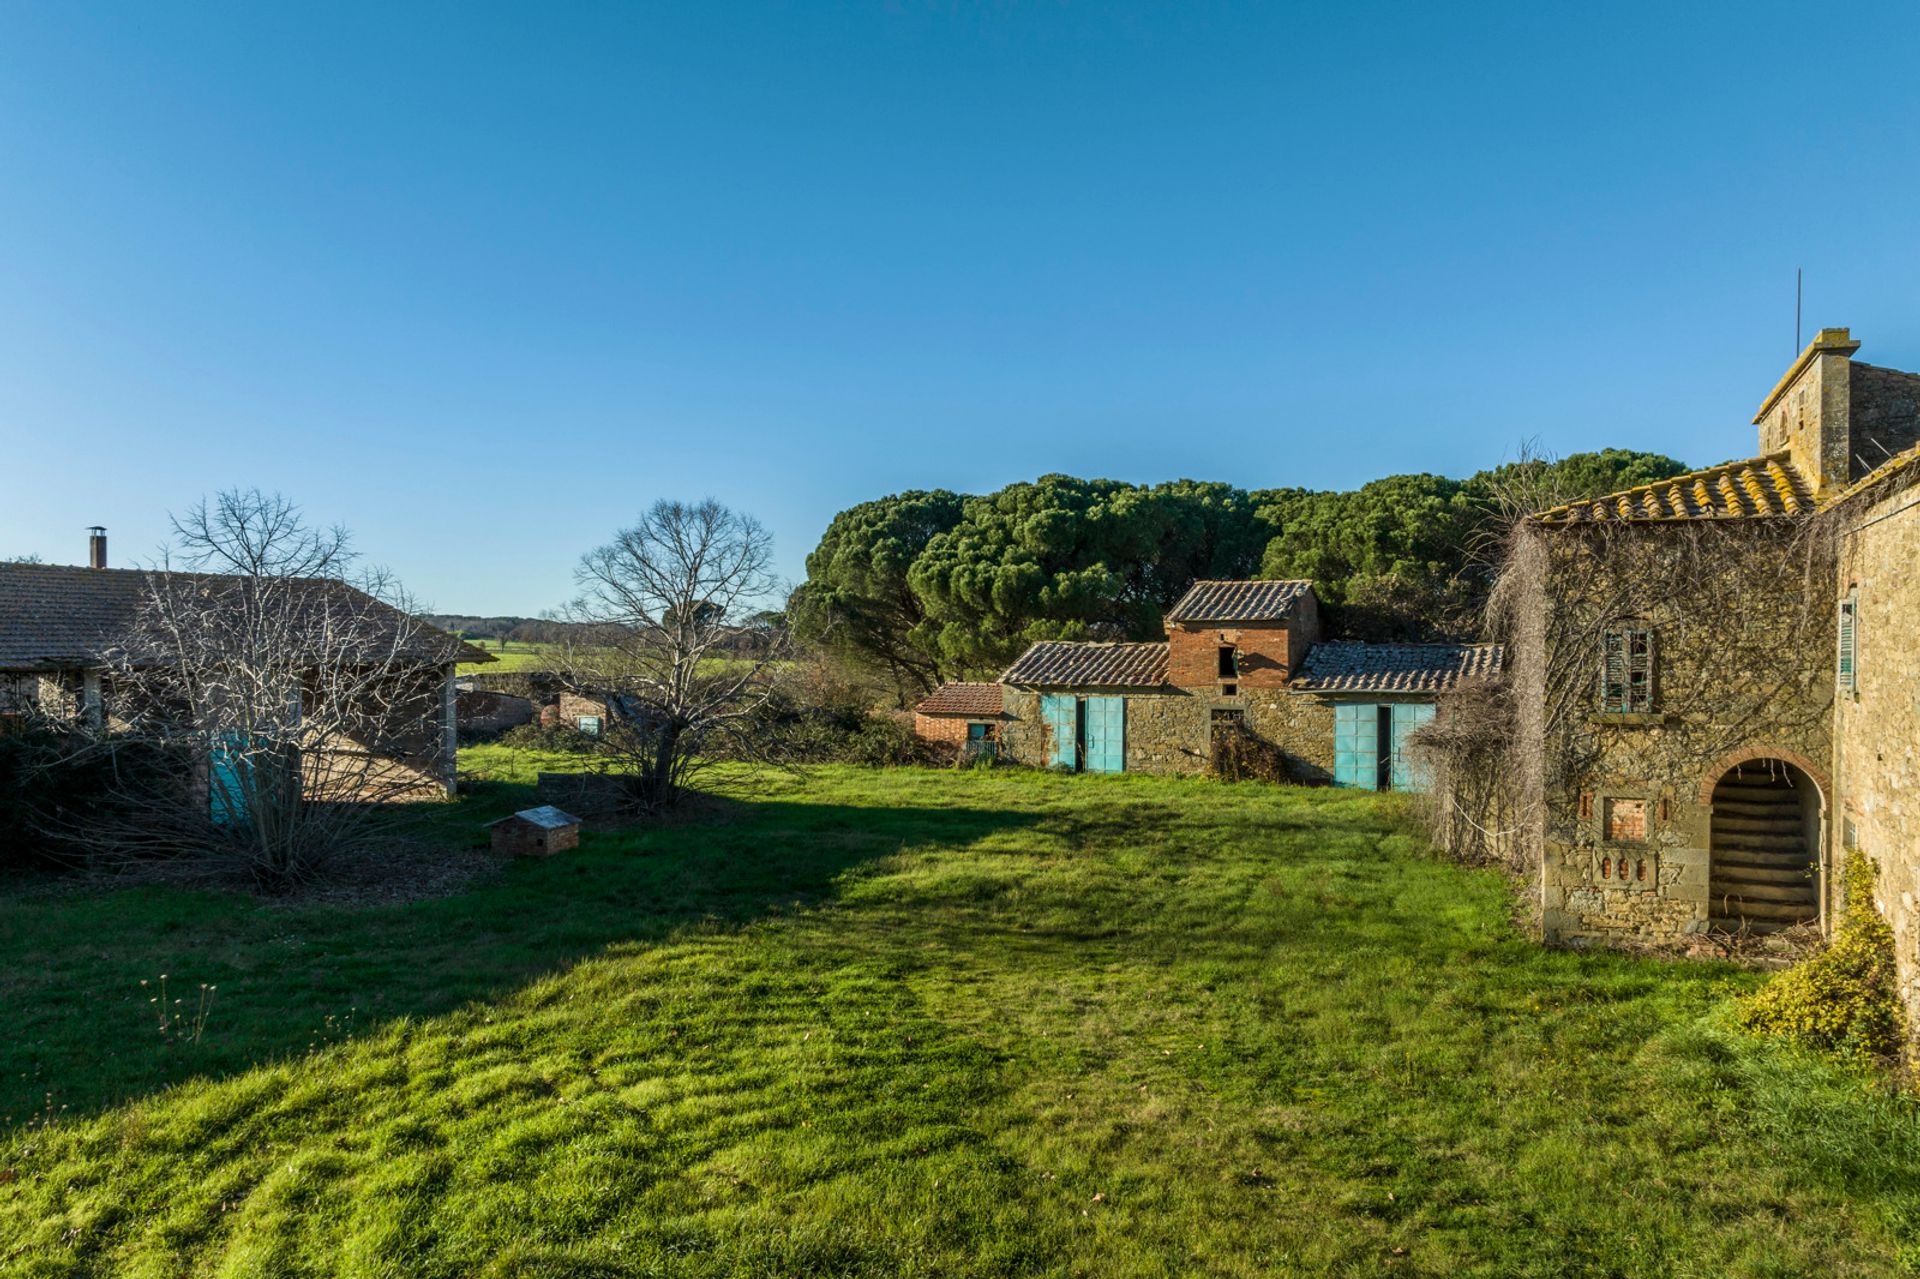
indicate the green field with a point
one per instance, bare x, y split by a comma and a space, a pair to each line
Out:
510, 655
920, 1023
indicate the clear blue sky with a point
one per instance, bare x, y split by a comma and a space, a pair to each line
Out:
480, 280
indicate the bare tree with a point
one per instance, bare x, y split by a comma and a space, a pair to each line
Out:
262, 710
674, 640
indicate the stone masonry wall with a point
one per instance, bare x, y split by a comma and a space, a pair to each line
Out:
1809, 417
1876, 753
1171, 730
1883, 414
1742, 669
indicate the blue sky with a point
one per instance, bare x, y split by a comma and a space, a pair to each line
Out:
480, 280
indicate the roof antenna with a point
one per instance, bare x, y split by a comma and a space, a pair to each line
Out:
1796, 312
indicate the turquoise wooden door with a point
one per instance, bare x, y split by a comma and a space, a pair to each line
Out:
1356, 745
228, 771
1106, 734
1407, 716
1061, 715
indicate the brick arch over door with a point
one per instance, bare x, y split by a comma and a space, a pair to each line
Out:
1733, 759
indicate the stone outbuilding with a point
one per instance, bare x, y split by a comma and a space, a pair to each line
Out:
535, 832
1240, 656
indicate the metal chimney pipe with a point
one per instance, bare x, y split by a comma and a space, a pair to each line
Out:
97, 546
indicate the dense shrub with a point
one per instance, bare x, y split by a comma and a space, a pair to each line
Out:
549, 737
1239, 755
1843, 998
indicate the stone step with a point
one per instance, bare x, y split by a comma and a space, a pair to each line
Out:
1757, 891
1757, 926
1752, 794
1742, 822
1757, 909
1800, 873
1745, 843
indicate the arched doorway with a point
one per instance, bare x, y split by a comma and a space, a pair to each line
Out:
1765, 847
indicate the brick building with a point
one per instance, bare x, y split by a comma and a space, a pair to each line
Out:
1716, 677
963, 715
1242, 655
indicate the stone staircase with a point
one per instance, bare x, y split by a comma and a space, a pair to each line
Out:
1762, 870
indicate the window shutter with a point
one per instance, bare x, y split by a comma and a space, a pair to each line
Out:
1640, 670
1845, 667
1626, 672
1613, 672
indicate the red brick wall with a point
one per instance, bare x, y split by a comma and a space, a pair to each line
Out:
942, 728
1193, 655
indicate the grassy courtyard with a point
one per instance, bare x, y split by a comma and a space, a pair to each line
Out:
918, 1023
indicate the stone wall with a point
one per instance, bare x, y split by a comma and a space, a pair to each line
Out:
1742, 670
1171, 730
1883, 414
1807, 412
1876, 751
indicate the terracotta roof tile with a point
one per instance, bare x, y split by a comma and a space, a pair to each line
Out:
962, 699
1207, 601
1061, 664
1758, 488
1353, 667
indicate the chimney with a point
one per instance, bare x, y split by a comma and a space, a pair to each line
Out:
97, 546
1808, 415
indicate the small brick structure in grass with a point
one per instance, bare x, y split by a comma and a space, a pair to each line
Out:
535, 832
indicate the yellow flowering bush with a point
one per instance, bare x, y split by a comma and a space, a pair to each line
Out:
1842, 998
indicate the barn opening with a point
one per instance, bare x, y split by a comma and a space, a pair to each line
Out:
1763, 868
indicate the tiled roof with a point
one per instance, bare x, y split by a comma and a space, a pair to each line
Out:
1760, 487
1238, 601
1352, 667
962, 699
54, 617
1057, 663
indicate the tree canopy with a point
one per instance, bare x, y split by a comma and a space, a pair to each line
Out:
925, 586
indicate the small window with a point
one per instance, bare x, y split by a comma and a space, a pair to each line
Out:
1229, 662
1626, 822
590, 725
1847, 664
979, 732
1229, 690
1626, 671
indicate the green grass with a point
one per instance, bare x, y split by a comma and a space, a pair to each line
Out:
922, 1023
509, 656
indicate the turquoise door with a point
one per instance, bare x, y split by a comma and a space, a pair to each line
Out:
1061, 715
1356, 745
1106, 734
1407, 716
228, 770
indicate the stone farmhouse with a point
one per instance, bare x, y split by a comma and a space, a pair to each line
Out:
1239, 655
58, 625
1715, 679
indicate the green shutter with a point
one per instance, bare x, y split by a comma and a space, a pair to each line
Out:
1847, 665
1626, 671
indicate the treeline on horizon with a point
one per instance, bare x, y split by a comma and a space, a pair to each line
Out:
921, 587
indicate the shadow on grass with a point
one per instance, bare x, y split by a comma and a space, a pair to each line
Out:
81, 973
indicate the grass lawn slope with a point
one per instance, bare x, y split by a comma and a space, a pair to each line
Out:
918, 1023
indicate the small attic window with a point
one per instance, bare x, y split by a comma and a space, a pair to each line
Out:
1229, 662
